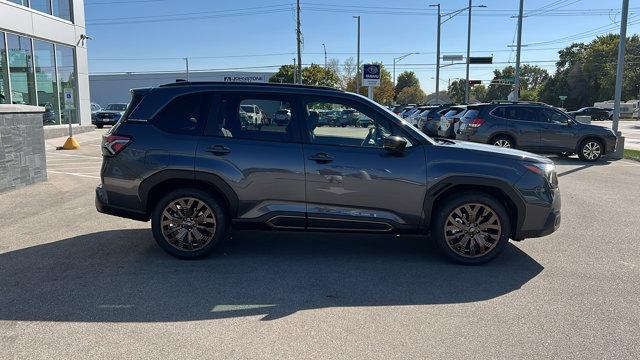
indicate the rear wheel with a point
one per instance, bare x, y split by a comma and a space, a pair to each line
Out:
590, 150
503, 141
471, 228
188, 223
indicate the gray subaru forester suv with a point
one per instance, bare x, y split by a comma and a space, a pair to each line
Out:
182, 158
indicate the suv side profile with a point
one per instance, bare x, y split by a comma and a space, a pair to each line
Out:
534, 127
181, 158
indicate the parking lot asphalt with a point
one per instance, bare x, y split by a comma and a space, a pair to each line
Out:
77, 284
630, 130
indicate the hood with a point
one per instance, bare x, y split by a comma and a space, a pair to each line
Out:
114, 112
495, 151
594, 128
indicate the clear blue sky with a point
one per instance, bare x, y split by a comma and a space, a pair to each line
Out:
251, 33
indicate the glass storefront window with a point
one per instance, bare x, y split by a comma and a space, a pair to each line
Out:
68, 85
21, 75
4, 72
41, 5
62, 9
21, 2
46, 81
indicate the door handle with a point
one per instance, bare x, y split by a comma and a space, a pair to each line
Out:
218, 150
321, 157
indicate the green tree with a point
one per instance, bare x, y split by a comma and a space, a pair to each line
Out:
284, 75
456, 91
406, 79
478, 93
411, 95
311, 75
531, 78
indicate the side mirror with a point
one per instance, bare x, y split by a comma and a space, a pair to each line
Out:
395, 144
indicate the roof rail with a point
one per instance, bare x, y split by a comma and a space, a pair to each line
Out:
516, 102
267, 84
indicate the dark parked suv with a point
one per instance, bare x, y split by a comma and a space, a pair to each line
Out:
534, 127
181, 158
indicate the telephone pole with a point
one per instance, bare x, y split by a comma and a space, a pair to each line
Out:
438, 56
358, 58
620, 69
466, 83
519, 46
299, 42
186, 60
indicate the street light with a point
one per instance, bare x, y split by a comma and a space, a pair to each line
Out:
358, 58
396, 60
324, 47
449, 16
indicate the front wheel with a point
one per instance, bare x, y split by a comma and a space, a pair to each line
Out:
188, 223
471, 228
590, 150
503, 142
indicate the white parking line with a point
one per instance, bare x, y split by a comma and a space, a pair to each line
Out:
73, 155
74, 174
72, 164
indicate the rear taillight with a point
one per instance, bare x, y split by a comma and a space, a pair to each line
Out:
477, 122
114, 144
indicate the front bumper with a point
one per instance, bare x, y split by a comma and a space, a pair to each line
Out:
542, 214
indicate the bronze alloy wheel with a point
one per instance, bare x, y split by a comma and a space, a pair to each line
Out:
472, 230
188, 224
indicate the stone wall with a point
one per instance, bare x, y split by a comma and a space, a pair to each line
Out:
22, 150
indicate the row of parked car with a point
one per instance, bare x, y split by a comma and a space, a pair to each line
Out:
535, 127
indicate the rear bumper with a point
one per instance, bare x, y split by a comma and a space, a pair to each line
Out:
103, 206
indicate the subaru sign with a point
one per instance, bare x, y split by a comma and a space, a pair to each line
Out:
371, 75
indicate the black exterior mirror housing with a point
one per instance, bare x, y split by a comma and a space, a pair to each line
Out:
395, 144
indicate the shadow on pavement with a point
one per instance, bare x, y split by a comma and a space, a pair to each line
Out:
122, 276
576, 161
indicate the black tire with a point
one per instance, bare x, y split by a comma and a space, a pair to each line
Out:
447, 208
586, 150
100, 126
503, 139
218, 213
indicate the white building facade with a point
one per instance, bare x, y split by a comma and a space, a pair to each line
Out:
115, 88
43, 58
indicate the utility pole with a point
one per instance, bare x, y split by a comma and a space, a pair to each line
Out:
438, 56
620, 69
295, 72
186, 60
324, 47
358, 58
299, 41
466, 84
519, 46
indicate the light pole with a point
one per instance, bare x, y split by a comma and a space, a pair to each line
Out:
324, 47
438, 55
358, 58
449, 16
619, 73
518, 51
397, 60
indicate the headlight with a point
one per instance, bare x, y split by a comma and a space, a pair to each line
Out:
547, 170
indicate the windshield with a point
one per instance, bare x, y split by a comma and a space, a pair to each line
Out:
452, 112
247, 108
117, 107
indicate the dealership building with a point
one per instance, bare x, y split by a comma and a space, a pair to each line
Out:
115, 88
43, 58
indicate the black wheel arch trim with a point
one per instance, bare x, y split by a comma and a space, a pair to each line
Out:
212, 180
600, 139
503, 133
447, 183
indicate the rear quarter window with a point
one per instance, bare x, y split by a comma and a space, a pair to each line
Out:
186, 114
